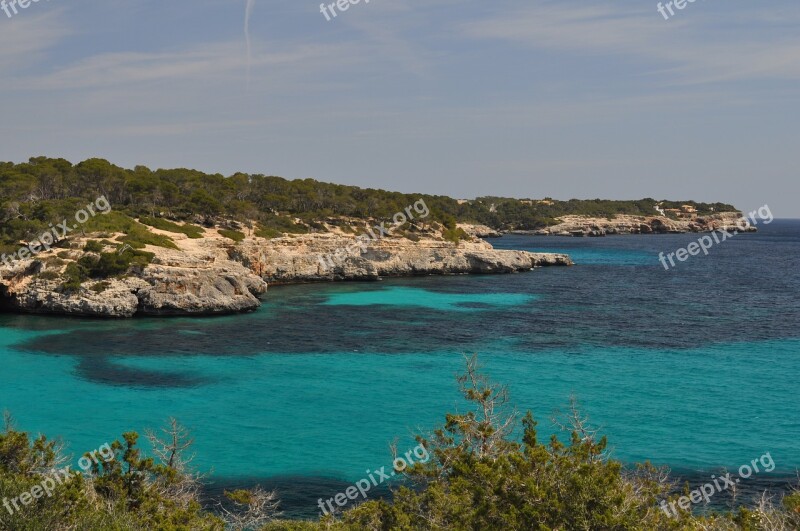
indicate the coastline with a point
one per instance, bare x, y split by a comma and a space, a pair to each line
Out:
625, 224
215, 276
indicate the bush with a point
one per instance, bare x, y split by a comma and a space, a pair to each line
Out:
234, 235
134, 233
49, 275
93, 246
268, 233
111, 264
125, 491
52, 261
138, 237
192, 231
280, 224
102, 267
100, 287
75, 274
455, 235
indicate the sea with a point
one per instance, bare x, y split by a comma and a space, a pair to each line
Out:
696, 368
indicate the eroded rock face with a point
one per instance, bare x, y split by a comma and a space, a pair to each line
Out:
627, 224
479, 231
210, 289
321, 258
225, 288
213, 276
44, 297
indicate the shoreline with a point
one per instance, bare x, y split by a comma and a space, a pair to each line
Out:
211, 276
625, 224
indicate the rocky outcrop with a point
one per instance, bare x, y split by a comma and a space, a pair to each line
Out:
320, 257
479, 231
44, 297
213, 275
627, 224
220, 289
185, 285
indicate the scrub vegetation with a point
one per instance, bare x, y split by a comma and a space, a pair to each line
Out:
44, 190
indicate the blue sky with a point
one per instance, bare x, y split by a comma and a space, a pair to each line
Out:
528, 98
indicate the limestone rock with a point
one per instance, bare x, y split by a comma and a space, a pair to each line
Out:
324, 257
212, 275
628, 224
479, 231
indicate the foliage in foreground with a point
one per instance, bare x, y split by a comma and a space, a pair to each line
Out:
481, 476
125, 492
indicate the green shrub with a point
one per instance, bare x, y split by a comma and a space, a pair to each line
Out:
52, 261
75, 274
109, 223
111, 264
135, 234
792, 503
234, 235
268, 233
455, 235
138, 236
281, 224
100, 287
126, 490
93, 246
8, 247
105, 266
192, 231
49, 275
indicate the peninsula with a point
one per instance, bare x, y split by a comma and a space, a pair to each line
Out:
94, 239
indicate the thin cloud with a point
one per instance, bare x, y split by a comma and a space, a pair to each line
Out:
687, 50
247, 12
30, 37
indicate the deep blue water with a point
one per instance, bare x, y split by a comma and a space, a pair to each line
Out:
696, 368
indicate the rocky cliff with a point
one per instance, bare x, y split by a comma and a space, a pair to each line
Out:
179, 284
626, 224
214, 275
319, 258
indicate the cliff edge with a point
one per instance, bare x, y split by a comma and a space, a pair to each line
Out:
215, 275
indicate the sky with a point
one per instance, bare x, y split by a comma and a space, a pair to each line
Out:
564, 99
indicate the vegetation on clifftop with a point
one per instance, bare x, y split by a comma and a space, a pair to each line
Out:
43, 191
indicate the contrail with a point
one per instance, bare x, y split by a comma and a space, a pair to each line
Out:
247, 12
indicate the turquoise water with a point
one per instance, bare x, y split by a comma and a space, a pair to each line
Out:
695, 368
410, 297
